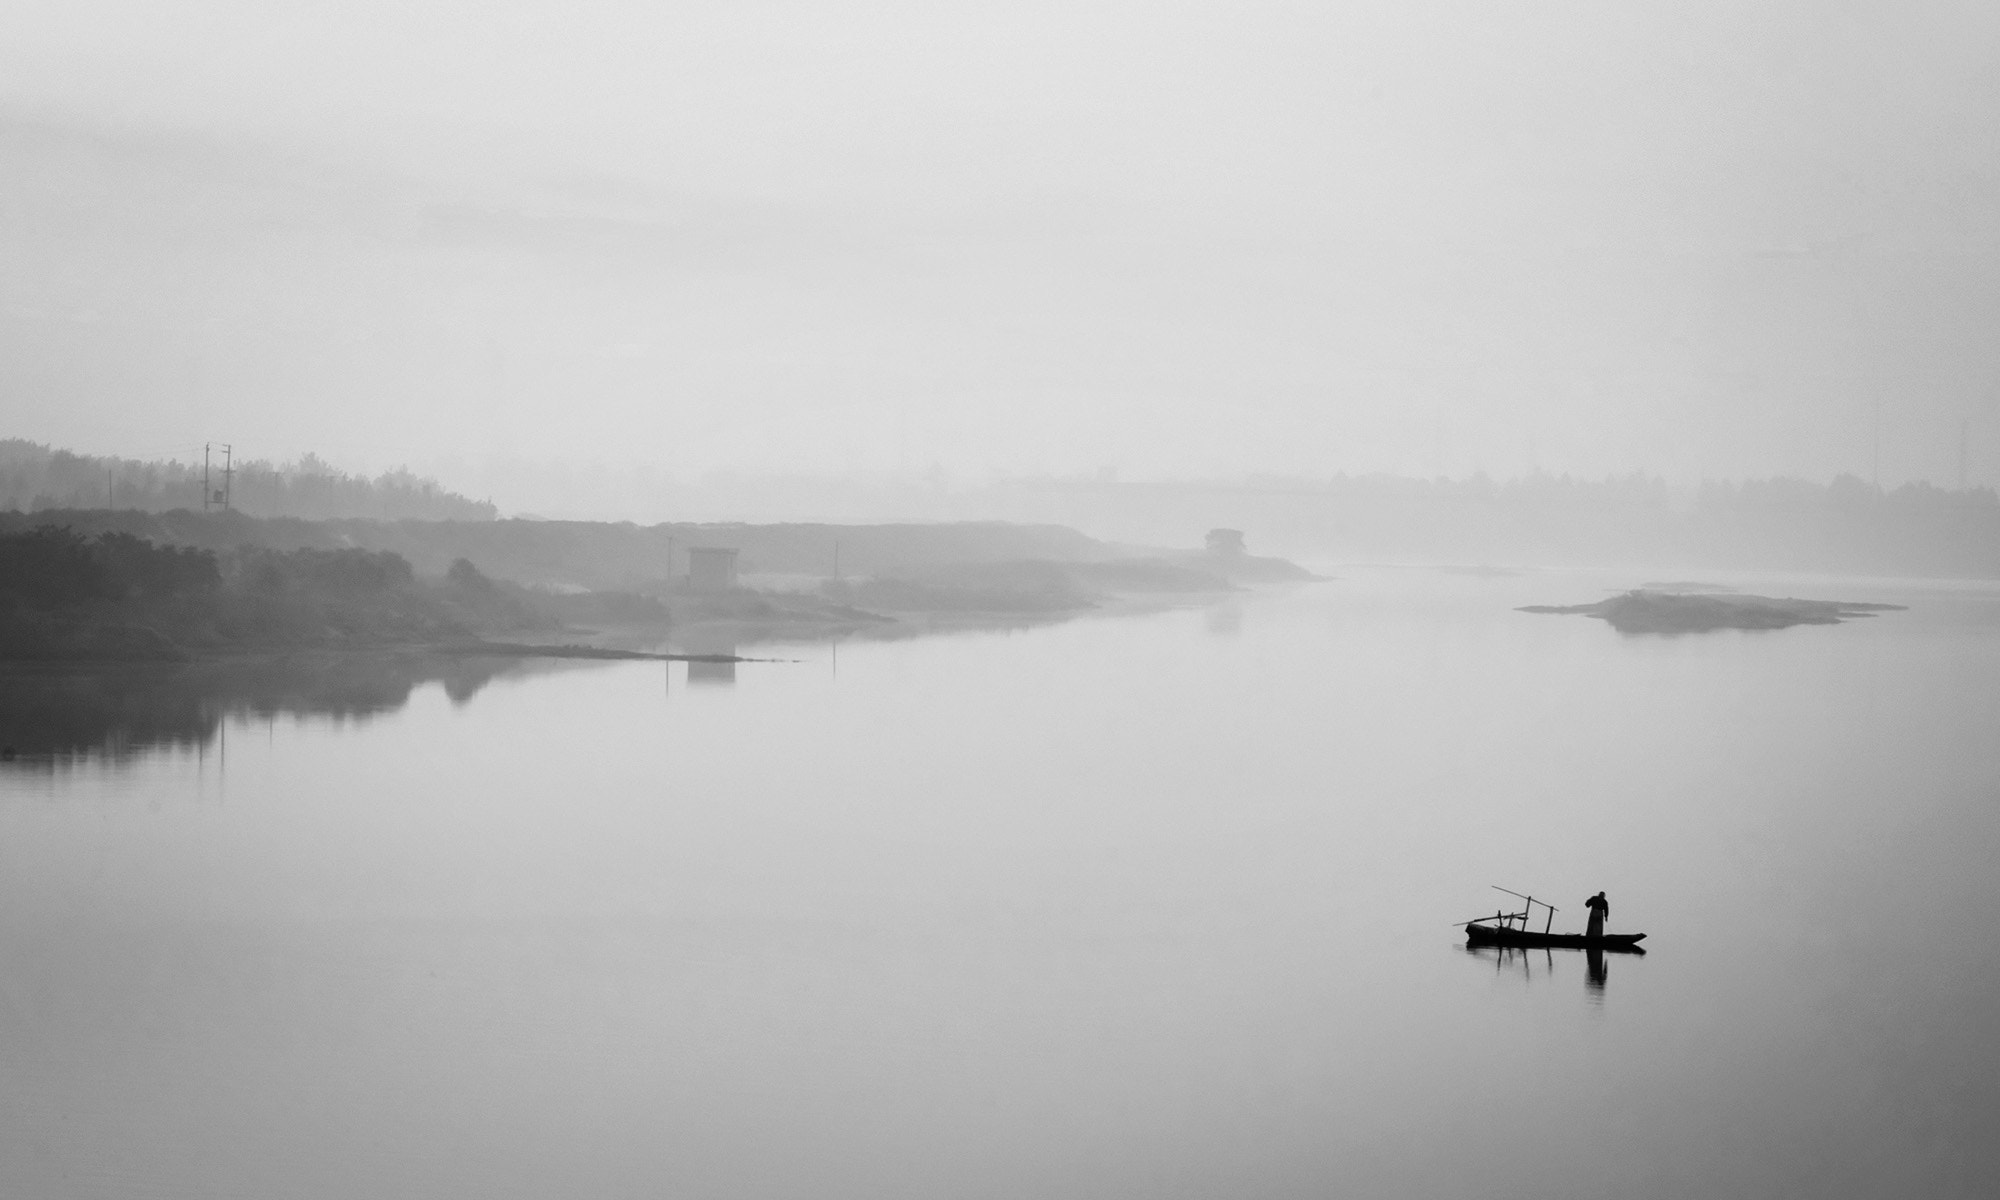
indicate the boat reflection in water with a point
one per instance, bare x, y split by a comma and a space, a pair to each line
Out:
1544, 963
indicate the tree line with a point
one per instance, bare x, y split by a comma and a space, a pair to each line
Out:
35, 477
67, 595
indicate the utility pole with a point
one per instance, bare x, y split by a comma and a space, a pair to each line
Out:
209, 496
1964, 433
111, 501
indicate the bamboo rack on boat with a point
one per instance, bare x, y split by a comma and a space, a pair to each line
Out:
1500, 930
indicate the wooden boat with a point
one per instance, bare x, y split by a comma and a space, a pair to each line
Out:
1478, 934
1500, 930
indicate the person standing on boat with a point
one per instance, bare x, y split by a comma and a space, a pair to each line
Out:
1600, 908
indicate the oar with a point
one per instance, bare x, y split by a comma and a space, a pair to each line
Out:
1494, 917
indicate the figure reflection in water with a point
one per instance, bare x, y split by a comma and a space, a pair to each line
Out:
1600, 909
1595, 973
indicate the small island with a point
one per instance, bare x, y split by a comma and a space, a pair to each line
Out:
1645, 610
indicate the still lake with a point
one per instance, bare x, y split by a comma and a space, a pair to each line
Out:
1153, 905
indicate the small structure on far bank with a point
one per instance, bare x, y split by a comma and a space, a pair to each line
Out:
711, 569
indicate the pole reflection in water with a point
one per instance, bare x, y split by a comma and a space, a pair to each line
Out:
1596, 968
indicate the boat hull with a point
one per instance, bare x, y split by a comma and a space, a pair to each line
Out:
1492, 935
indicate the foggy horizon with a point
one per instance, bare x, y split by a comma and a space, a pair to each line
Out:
1290, 514
1692, 242
470, 474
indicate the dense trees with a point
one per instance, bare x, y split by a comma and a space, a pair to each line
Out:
324, 572
65, 596
34, 477
52, 568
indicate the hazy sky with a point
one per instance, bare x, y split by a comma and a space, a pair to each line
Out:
1687, 237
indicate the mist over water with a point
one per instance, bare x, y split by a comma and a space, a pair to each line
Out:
1153, 905
963, 385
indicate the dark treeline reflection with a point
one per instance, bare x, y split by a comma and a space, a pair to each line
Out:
53, 717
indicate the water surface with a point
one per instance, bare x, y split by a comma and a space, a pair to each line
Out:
1144, 906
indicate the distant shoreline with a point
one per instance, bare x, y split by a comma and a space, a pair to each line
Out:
105, 586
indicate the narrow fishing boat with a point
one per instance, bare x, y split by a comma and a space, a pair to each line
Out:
1477, 934
1500, 930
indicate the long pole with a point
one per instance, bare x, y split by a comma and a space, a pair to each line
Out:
228, 470
204, 477
1531, 901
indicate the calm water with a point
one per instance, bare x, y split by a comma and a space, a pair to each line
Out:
1148, 906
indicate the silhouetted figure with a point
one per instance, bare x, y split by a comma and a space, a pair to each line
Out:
1600, 908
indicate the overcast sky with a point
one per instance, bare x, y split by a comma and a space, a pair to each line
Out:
1686, 237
